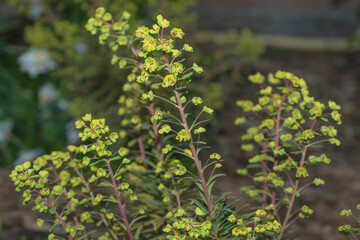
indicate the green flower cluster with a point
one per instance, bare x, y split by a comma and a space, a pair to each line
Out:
65, 184
348, 229
185, 226
259, 225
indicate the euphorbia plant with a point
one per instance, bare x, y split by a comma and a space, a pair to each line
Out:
285, 125
154, 185
162, 77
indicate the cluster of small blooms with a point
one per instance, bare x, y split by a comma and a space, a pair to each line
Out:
71, 185
255, 226
187, 227
347, 228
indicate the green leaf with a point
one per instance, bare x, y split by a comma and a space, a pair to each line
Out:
104, 184
199, 212
93, 178
138, 231
87, 117
186, 76
197, 68
98, 224
162, 22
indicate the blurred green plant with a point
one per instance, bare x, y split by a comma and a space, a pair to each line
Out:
63, 54
58, 29
229, 57
30, 107
58, 16
37, 104
354, 41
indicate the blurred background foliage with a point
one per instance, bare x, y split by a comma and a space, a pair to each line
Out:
55, 72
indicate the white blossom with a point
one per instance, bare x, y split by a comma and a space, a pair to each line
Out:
72, 134
5, 129
63, 104
80, 47
47, 93
28, 155
36, 61
36, 9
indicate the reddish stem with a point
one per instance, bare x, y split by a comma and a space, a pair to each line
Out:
133, 50
176, 192
141, 145
277, 127
265, 166
195, 155
293, 195
155, 125
65, 193
158, 149
139, 139
92, 198
117, 194
296, 185
63, 224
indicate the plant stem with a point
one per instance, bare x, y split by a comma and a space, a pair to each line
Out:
76, 220
266, 168
133, 50
151, 109
61, 221
176, 192
141, 145
117, 193
296, 185
277, 127
293, 195
158, 150
155, 127
195, 155
92, 198
160, 155
139, 139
